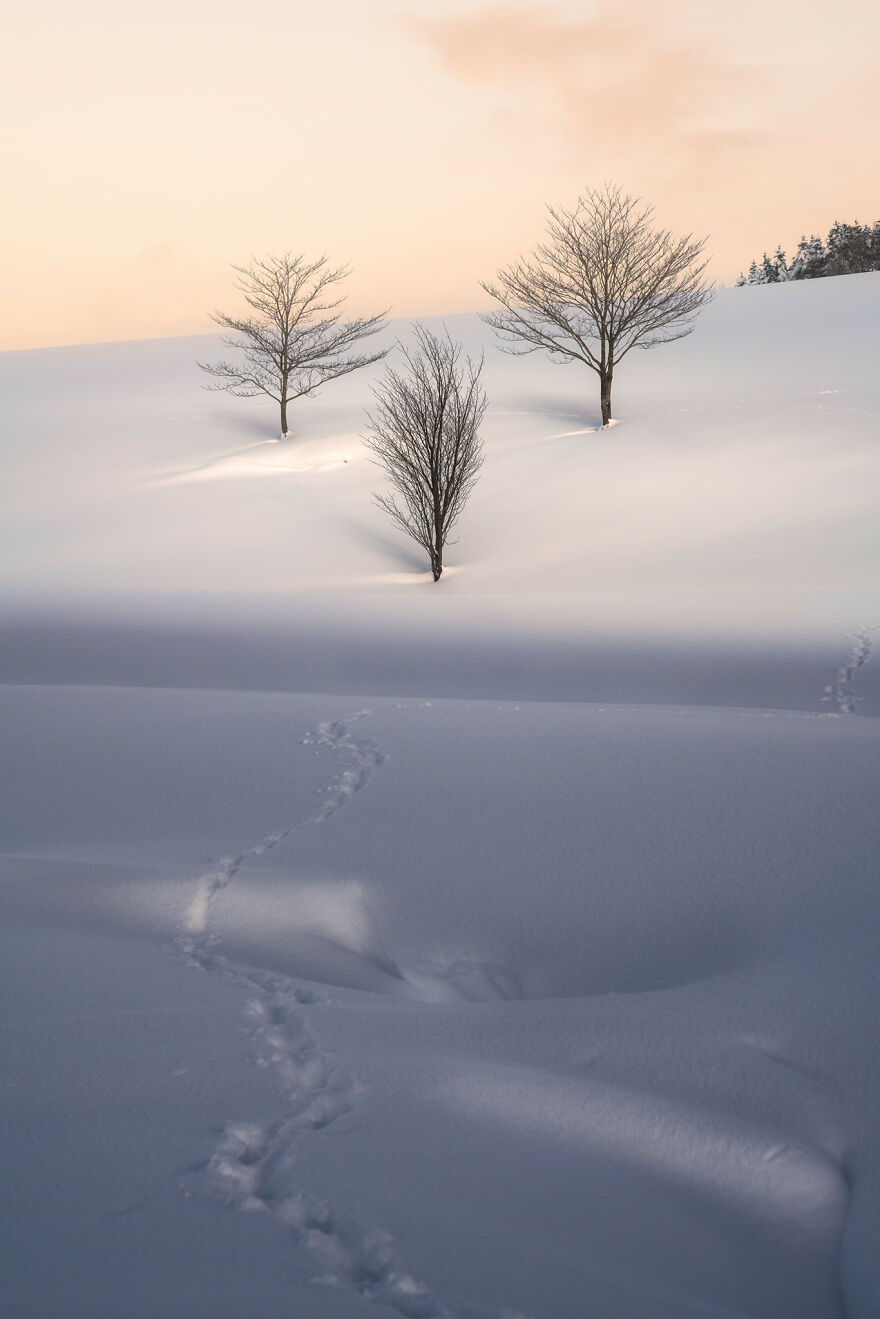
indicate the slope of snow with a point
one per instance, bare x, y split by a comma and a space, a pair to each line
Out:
500, 948
157, 533
747, 460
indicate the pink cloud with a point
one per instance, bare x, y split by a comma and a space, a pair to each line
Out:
633, 74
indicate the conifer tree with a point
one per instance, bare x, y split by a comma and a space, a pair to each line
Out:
850, 249
769, 271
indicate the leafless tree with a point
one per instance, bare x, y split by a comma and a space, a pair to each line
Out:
424, 432
604, 282
293, 342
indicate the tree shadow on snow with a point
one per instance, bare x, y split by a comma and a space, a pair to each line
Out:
398, 551
571, 410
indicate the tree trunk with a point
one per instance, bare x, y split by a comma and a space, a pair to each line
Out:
437, 551
605, 388
283, 416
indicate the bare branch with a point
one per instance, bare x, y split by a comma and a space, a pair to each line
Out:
603, 283
296, 340
424, 432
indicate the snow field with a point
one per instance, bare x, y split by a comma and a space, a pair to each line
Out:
549, 983
499, 949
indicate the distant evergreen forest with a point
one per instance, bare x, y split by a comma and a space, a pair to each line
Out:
849, 249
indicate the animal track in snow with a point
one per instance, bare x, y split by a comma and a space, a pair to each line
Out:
255, 1164
841, 690
364, 754
317, 1092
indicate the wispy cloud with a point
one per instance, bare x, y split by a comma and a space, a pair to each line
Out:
633, 74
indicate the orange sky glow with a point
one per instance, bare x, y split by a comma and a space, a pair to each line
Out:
145, 150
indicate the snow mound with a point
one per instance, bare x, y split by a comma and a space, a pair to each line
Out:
274, 458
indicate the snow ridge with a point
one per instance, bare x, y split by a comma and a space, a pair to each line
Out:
254, 1164
840, 692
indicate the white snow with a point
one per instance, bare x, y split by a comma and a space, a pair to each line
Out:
501, 947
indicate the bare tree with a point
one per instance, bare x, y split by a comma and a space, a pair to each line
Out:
424, 432
604, 282
294, 342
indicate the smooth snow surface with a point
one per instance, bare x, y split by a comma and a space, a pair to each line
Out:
499, 949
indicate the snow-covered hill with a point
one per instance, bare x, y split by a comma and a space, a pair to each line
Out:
501, 947
734, 508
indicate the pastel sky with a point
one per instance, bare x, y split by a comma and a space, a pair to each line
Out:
144, 148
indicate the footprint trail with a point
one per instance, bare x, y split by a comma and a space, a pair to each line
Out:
335, 735
841, 691
255, 1164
